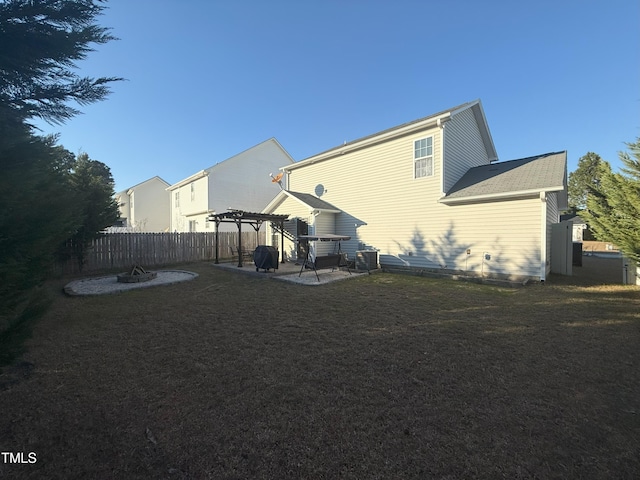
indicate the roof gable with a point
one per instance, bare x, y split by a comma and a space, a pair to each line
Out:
247, 154
228, 163
308, 200
406, 129
155, 178
542, 173
313, 202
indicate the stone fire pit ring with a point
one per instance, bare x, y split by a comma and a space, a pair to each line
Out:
109, 284
136, 275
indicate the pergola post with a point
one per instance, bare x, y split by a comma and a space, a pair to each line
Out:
217, 224
282, 241
254, 219
239, 222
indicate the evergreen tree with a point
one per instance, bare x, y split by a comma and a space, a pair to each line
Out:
38, 212
93, 185
586, 176
613, 212
42, 41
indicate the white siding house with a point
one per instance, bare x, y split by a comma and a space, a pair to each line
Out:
144, 207
241, 182
429, 195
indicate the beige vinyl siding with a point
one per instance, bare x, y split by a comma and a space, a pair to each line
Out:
373, 185
294, 209
463, 147
376, 191
506, 231
385, 208
324, 223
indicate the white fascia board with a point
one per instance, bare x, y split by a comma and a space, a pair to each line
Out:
311, 209
201, 212
498, 196
372, 140
284, 150
130, 189
485, 133
186, 181
277, 200
465, 107
237, 155
325, 210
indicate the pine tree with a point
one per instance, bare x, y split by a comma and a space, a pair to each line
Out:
42, 41
93, 184
586, 176
613, 208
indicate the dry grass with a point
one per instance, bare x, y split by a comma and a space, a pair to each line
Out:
383, 376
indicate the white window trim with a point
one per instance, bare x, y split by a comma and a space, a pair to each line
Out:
427, 157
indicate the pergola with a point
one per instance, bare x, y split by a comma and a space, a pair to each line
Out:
254, 219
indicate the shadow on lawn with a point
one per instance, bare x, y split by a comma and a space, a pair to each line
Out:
594, 271
385, 376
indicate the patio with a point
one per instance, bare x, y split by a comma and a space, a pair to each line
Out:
290, 272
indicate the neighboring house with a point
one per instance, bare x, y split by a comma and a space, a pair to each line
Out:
241, 182
579, 227
144, 207
428, 195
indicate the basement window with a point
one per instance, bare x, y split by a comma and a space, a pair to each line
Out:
423, 157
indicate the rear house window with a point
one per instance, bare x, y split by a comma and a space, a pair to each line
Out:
423, 157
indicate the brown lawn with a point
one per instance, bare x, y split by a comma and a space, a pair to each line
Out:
382, 376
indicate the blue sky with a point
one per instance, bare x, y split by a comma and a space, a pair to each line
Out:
208, 79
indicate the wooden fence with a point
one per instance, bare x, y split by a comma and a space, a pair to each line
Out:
123, 250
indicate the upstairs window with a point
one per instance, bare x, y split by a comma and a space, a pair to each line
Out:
177, 199
193, 192
423, 157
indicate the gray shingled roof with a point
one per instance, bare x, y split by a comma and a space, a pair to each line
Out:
312, 201
544, 172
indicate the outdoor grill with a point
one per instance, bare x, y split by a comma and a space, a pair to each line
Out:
266, 257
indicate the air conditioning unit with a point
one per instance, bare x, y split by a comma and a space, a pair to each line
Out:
366, 260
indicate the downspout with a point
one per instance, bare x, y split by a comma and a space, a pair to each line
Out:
543, 237
441, 122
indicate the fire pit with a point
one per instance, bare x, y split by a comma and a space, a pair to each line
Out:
136, 275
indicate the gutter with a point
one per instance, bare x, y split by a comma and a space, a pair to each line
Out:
313, 210
498, 196
369, 141
186, 181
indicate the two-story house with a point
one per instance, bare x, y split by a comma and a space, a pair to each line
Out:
430, 194
144, 207
241, 182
